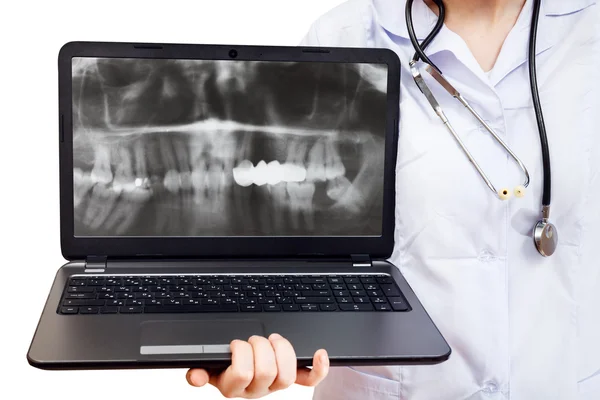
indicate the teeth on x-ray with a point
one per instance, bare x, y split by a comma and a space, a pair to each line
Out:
194, 148
273, 173
333, 162
243, 174
102, 173
301, 196
316, 162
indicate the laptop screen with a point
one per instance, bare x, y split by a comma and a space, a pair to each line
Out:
226, 148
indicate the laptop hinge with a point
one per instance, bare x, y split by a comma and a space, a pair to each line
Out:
95, 264
361, 260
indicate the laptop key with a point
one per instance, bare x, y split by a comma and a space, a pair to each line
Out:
328, 307
74, 303
344, 299
190, 309
316, 293
109, 310
382, 307
310, 307
94, 303
81, 296
80, 289
88, 310
313, 280
131, 309
360, 300
356, 307
285, 300
69, 310
378, 300
355, 286
271, 307
250, 307
366, 280
314, 300
398, 303
290, 307
390, 290
341, 293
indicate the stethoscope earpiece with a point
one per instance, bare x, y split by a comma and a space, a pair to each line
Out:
504, 194
520, 191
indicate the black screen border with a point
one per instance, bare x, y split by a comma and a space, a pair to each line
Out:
224, 247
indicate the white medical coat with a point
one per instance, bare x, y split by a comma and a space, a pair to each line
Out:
521, 326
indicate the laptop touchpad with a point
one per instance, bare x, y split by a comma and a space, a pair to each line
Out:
195, 337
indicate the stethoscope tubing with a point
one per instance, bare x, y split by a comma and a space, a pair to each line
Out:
420, 55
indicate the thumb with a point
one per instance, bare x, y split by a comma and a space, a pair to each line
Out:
197, 377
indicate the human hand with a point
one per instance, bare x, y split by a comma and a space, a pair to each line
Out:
261, 366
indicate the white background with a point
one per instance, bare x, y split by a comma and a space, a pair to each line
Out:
32, 33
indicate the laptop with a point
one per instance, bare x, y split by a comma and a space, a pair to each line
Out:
211, 193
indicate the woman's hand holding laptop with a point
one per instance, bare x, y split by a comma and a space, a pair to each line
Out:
261, 366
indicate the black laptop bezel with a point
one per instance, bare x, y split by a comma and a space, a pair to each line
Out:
223, 247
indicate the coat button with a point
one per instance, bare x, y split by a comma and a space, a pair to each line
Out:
490, 387
486, 256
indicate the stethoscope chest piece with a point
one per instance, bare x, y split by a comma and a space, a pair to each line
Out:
545, 236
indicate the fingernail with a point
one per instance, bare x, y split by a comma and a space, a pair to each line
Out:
275, 336
323, 358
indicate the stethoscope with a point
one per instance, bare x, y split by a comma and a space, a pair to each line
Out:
545, 235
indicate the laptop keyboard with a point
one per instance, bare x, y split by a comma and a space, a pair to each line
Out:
232, 293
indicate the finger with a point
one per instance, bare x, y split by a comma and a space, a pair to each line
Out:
265, 366
238, 375
312, 377
285, 357
197, 377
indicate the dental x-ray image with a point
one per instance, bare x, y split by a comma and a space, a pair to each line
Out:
227, 148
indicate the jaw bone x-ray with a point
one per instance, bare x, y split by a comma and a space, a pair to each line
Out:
227, 148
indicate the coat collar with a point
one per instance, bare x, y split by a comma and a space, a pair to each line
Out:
391, 16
